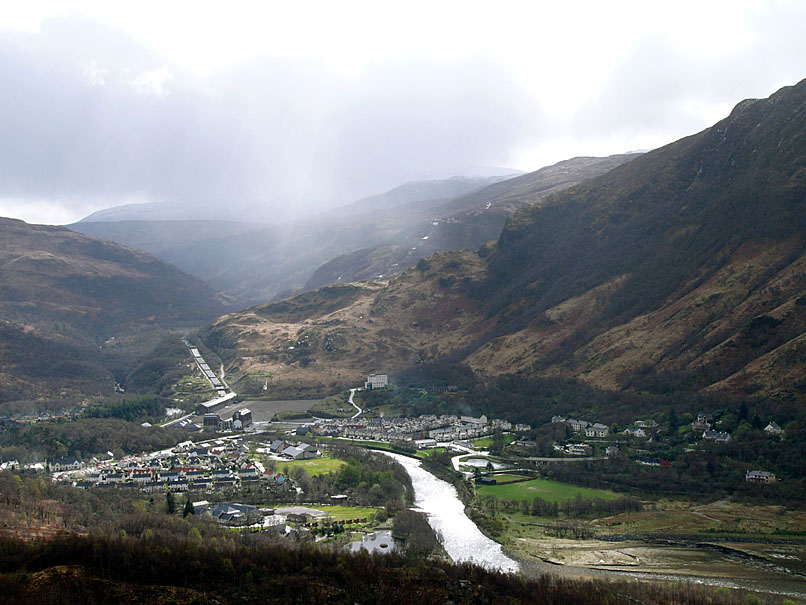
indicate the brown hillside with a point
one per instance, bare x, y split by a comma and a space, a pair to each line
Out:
330, 339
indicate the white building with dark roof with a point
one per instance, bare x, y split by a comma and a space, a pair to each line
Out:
759, 477
596, 430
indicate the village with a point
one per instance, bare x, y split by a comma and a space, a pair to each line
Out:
423, 431
223, 465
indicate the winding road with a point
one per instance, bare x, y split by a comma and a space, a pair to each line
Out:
352, 403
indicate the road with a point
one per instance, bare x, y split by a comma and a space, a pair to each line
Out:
579, 459
172, 422
352, 403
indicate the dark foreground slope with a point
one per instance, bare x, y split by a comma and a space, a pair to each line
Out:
72, 569
64, 296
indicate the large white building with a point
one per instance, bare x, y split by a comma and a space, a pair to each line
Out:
376, 381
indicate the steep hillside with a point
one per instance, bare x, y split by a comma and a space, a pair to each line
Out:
64, 296
680, 270
533, 188
698, 249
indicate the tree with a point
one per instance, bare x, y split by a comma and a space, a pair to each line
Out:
673, 421
498, 442
170, 503
743, 411
188, 508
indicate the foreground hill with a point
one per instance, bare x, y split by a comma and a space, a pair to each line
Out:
683, 269
63, 295
163, 568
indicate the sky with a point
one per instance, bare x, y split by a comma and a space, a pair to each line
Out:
268, 111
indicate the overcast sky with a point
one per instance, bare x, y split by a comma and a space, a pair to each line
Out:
295, 106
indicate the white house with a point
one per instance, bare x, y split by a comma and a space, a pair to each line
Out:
703, 422
596, 430
773, 429
65, 464
10, 465
717, 436
576, 425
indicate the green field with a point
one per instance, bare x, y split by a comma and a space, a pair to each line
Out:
488, 441
506, 478
339, 512
335, 405
427, 452
553, 491
314, 466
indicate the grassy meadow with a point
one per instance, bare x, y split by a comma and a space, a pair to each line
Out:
553, 491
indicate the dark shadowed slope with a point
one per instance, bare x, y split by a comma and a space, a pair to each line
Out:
463, 222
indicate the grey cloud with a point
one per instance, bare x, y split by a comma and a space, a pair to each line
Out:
269, 130
659, 88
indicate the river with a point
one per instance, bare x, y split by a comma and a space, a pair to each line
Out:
461, 539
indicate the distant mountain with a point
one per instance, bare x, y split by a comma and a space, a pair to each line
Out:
76, 312
419, 191
156, 237
257, 263
154, 211
681, 270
